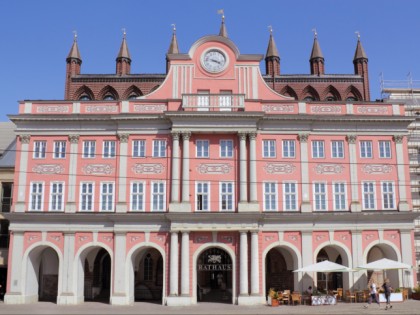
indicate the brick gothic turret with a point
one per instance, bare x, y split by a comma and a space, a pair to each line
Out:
360, 62
317, 59
74, 63
272, 57
123, 61
173, 48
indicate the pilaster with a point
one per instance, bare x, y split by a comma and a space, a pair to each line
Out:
355, 205
23, 165
304, 160
122, 173
402, 186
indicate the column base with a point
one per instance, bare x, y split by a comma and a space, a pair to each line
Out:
403, 206
178, 301
18, 298
66, 299
251, 300
20, 207
248, 207
355, 207
120, 299
180, 207
305, 207
121, 207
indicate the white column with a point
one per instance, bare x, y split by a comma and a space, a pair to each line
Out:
23, 168
175, 168
243, 182
355, 205
71, 195
356, 279
122, 173
15, 294
174, 272
402, 184
255, 269
243, 261
253, 167
307, 257
407, 258
119, 294
185, 264
67, 295
306, 205
186, 166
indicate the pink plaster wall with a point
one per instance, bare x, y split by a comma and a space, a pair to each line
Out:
369, 237
345, 238
82, 238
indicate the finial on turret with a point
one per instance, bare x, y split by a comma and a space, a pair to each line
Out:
124, 32
315, 32
358, 35
173, 27
75, 36
222, 12
270, 28
223, 31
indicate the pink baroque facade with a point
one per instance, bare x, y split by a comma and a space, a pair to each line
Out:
213, 187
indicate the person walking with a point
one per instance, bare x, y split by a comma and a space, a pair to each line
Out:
373, 294
387, 290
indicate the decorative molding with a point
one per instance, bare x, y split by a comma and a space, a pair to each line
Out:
107, 238
269, 238
294, 238
326, 109
56, 238
123, 137
278, 108
83, 238
279, 168
328, 169
25, 138
201, 239
319, 237
186, 135
242, 135
74, 138
252, 135
351, 138
98, 169
149, 108
214, 168
372, 110
344, 237
48, 169
369, 236
398, 138
33, 237
102, 109
148, 168
160, 238
377, 168
303, 137
175, 135
227, 239
134, 239
53, 109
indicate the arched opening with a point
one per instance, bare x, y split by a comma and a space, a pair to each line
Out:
96, 274
378, 252
333, 280
214, 276
42, 274
279, 266
148, 275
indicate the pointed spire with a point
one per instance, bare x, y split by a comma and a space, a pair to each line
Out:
360, 52
124, 53
74, 50
272, 48
173, 47
223, 31
316, 49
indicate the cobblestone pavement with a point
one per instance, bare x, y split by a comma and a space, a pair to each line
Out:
408, 307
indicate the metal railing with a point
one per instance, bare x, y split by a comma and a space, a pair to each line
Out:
213, 102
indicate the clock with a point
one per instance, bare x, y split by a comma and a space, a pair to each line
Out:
214, 61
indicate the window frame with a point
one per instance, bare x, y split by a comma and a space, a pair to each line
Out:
142, 194
52, 194
159, 148
109, 149
384, 152
38, 195
160, 195
364, 150
61, 145
40, 149
225, 151
141, 148
336, 150
286, 194
270, 195
202, 148
87, 150
208, 194
373, 194
339, 195
286, 148
320, 194
109, 196
269, 150
390, 195
316, 149
81, 202
229, 195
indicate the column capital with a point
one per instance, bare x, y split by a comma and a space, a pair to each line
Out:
74, 138
25, 138
186, 134
242, 135
398, 138
303, 137
175, 135
351, 138
252, 135
123, 137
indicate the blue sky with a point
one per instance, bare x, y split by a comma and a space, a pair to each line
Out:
37, 36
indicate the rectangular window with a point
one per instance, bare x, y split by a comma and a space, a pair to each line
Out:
368, 195
289, 148
37, 195
388, 195
320, 196
339, 190
270, 196
107, 196
158, 196
385, 149
159, 148
57, 196
137, 196
89, 148
226, 148
366, 149
337, 149
289, 196
269, 148
86, 196
318, 149
59, 149
202, 148
109, 149
202, 195
226, 196
40, 149
139, 148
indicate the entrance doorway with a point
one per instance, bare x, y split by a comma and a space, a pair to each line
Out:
214, 276
97, 270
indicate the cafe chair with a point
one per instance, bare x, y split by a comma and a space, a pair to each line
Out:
350, 296
296, 298
286, 296
339, 294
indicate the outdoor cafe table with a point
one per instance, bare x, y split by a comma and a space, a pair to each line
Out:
323, 300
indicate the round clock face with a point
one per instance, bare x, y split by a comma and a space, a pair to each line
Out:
214, 60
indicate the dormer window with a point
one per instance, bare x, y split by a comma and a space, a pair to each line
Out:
109, 97
85, 97
330, 99
351, 99
132, 96
309, 99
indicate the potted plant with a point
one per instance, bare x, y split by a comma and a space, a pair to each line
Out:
416, 293
274, 297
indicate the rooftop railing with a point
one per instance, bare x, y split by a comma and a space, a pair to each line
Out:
213, 102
